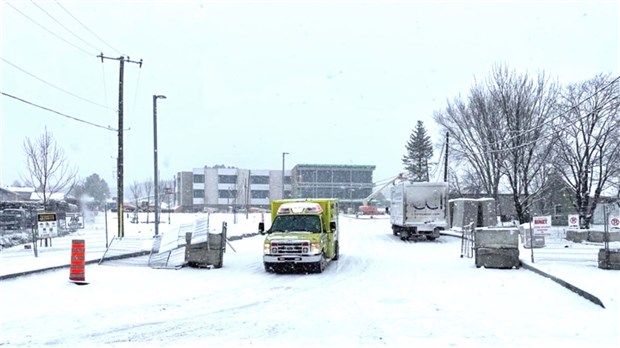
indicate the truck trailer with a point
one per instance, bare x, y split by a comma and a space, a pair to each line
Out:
419, 209
303, 234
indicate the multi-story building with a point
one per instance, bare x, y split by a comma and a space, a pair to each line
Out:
230, 188
349, 183
233, 188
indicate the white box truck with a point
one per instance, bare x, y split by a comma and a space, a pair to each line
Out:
419, 209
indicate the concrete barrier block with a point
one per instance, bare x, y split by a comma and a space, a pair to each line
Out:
497, 238
502, 258
576, 236
599, 236
609, 259
533, 241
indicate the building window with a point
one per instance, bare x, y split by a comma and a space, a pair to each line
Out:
259, 194
199, 178
307, 192
342, 176
227, 193
287, 180
324, 176
227, 179
362, 177
307, 175
259, 180
199, 193
324, 193
340, 193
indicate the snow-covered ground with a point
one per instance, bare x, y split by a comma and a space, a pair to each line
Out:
382, 292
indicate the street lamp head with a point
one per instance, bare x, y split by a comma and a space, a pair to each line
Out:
159, 96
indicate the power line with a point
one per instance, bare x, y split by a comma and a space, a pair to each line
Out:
135, 95
54, 86
521, 133
49, 31
62, 25
105, 90
566, 111
59, 113
90, 31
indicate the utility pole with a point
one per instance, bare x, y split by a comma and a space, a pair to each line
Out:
445, 171
156, 171
119, 161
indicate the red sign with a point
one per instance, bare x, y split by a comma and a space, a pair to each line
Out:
542, 221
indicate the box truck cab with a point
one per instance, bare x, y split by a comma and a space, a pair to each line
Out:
303, 234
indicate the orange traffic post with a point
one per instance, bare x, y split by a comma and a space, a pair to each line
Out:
78, 254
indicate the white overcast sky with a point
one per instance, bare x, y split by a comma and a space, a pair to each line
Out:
330, 83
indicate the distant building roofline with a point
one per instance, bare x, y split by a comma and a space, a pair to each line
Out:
339, 166
19, 189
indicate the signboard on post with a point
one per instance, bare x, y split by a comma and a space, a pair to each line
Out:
614, 221
573, 220
542, 224
47, 225
74, 221
540, 227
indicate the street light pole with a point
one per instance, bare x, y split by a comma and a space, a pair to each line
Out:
156, 180
283, 154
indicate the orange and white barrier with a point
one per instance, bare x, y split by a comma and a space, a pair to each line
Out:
78, 255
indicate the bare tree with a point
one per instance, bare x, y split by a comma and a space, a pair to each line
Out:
148, 188
164, 190
502, 132
526, 107
49, 171
163, 184
589, 153
476, 139
136, 192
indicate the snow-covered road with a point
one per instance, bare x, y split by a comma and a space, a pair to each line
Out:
382, 292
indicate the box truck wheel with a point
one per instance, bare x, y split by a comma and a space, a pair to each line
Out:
404, 235
436, 233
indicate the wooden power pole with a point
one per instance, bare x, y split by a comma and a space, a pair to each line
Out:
119, 160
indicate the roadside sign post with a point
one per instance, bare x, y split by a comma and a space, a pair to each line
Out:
614, 222
47, 226
573, 220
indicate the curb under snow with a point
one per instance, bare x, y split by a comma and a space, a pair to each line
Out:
565, 284
562, 282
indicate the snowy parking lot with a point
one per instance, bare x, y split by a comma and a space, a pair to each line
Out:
381, 292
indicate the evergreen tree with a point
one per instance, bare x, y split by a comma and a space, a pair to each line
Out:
97, 188
419, 151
